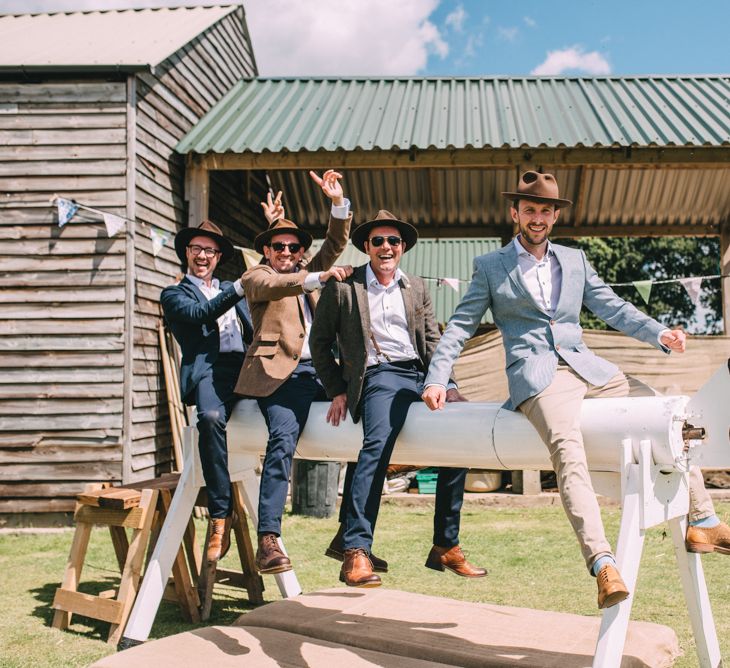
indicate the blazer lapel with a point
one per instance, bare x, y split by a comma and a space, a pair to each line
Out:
194, 289
508, 254
363, 304
406, 291
567, 287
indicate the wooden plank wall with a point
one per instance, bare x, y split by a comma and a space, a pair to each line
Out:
61, 292
169, 103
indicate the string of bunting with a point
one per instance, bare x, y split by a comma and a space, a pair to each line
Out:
68, 208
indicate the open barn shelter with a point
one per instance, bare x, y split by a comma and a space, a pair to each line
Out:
91, 107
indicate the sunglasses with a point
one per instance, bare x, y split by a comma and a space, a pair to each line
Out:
379, 241
279, 246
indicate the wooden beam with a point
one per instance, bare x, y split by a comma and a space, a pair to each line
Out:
682, 157
197, 191
725, 271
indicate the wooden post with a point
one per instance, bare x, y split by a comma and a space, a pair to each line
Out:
197, 191
725, 271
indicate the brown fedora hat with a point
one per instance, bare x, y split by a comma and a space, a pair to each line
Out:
281, 226
205, 229
538, 188
408, 233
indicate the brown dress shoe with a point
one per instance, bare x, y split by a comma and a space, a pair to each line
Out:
269, 557
220, 538
357, 570
335, 551
611, 588
441, 558
716, 539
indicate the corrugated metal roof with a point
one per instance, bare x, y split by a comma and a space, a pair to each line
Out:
325, 114
125, 38
434, 259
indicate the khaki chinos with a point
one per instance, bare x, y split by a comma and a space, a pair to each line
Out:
555, 414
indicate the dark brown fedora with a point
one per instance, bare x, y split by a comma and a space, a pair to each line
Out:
205, 229
538, 188
408, 233
281, 226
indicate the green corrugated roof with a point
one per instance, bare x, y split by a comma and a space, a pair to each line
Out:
323, 114
433, 259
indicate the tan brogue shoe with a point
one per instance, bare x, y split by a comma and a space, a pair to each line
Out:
220, 538
335, 551
269, 557
716, 539
440, 558
611, 588
357, 569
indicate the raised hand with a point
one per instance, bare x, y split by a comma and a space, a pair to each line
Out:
273, 209
338, 273
331, 186
675, 340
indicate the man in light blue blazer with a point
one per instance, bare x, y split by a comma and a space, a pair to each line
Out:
535, 290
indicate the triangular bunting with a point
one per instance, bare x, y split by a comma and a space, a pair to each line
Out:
113, 224
643, 288
66, 210
453, 283
159, 239
693, 286
250, 257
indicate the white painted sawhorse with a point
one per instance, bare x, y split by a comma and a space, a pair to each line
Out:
242, 469
649, 498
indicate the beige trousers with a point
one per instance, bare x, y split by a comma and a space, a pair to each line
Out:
555, 414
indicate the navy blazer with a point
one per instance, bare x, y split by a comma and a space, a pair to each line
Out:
193, 321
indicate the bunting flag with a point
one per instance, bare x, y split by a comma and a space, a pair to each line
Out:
643, 288
113, 223
250, 257
693, 286
66, 210
453, 283
159, 239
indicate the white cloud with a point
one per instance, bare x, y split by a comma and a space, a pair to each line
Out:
508, 34
530, 22
573, 58
378, 37
455, 19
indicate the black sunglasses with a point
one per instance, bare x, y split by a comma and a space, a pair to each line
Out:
279, 246
379, 241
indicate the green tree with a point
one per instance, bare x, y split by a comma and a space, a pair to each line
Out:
626, 259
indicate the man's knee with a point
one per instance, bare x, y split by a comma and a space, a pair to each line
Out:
212, 419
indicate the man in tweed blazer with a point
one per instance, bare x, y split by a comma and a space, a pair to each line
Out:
535, 290
383, 323
282, 294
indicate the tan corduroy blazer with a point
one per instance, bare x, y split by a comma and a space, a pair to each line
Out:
278, 316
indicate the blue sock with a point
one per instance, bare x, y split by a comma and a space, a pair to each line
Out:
707, 522
601, 562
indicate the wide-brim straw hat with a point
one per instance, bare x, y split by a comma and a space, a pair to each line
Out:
205, 229
408, 233
281, 226
538, 188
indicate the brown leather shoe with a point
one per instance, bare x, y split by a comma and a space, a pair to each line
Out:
220, 538
716, 539
611, 588
269, 557
357, 570
335, 551
441, 558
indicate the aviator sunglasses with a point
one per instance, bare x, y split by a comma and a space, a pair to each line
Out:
279, 246
379, 241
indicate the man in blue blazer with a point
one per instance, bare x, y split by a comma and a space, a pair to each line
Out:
212, 324
535, 290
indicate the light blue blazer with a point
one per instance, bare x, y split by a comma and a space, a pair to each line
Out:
533, 339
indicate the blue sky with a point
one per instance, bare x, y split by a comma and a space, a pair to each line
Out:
470, 37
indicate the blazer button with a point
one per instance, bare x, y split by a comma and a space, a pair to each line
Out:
552, 322
557, 347
294, 356
301, 336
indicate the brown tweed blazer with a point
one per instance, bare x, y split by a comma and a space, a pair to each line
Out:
278, 316
343, 315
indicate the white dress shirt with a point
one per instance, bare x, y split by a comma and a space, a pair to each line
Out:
229, 329
544, 278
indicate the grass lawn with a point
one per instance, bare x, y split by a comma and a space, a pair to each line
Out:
532, 556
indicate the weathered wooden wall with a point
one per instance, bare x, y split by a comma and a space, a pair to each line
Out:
61, 291
169, 103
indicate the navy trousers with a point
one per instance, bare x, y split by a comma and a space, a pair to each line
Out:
214, 400
286, 412
388, 391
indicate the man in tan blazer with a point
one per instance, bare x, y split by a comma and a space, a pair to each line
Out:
282, 295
